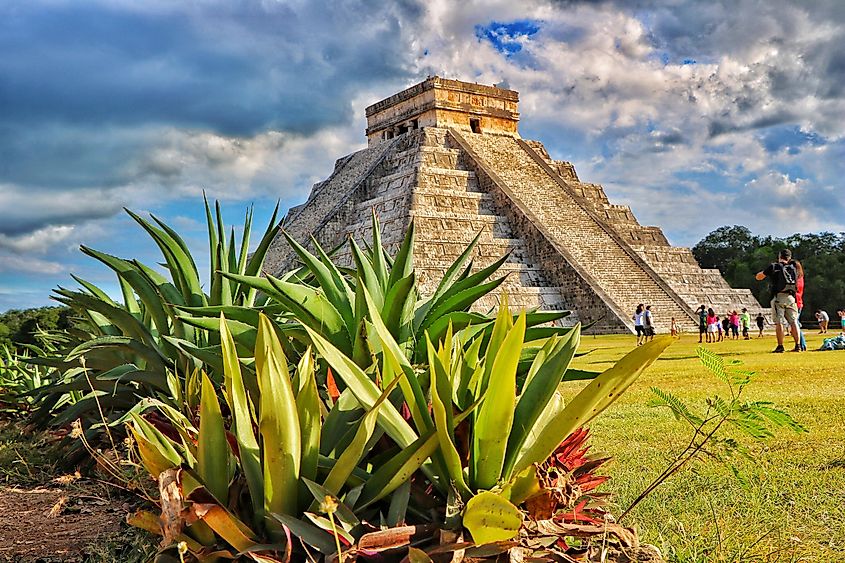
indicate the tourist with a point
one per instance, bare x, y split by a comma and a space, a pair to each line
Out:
799, 301
745, 322
673, 328
823, 319
712, 325
638, 324
734, 322
702, 322
761, 322
842, 319
782, 277
725, 327
648, 324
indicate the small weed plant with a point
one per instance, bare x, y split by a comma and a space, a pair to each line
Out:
724, 425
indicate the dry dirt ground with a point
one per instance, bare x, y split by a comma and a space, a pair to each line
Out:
48, 524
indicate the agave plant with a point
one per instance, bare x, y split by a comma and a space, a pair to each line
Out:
279, 467
22, 379
138, 347
489, 459
464, 457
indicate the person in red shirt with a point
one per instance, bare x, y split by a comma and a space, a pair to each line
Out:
799, 300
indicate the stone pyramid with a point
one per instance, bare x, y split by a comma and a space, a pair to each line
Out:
448, 155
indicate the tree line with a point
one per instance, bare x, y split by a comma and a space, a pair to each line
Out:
18, 326
739, 254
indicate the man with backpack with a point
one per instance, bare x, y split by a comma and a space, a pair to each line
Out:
783, 279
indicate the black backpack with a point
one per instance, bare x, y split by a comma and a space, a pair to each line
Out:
787, 278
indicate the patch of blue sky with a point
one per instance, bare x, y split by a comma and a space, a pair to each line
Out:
508, 37
711, 179
789, 138
793, 171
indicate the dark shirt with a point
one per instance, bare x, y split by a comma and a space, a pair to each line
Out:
702, 317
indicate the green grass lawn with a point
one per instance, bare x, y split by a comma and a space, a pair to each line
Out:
790, 506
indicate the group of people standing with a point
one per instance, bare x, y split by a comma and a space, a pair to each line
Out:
644, 323
712, 328
786, 279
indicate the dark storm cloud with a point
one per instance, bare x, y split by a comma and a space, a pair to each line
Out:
88, 91
237, 68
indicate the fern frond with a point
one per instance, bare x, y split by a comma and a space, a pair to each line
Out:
677, 406
713, 362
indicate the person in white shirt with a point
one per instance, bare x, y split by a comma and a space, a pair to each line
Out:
823, 319
639, 318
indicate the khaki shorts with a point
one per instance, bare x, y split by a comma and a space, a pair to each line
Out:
784, 307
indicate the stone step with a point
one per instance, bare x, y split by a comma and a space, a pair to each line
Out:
527, 276
486, 251
425, 156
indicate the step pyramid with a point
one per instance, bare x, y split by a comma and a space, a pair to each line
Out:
448, 155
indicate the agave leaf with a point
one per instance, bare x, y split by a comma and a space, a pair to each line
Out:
500, 329
343, 415
330, 280
496, 413
448, 279
179, 261
460, 301
403, 263
256, 261
366, 273
278, 423
397, 303
93, 289
592, 400
378, 258
120, 317
319, 493
212, 447
243, 334
399, 469
308, 533
248, 450
156, 452
411, 388
225, 524
538, 391
309, 408
441, 402
140, 283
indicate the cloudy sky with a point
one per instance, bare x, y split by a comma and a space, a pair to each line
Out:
696, 114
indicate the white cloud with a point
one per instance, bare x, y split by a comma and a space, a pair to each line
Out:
23, 263
37, 241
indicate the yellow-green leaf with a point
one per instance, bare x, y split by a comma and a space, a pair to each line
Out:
278, 422
248, 449
441, 400
308, 408
495, 415
212, 447
491, 518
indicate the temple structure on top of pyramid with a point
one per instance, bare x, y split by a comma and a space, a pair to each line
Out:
448, 155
